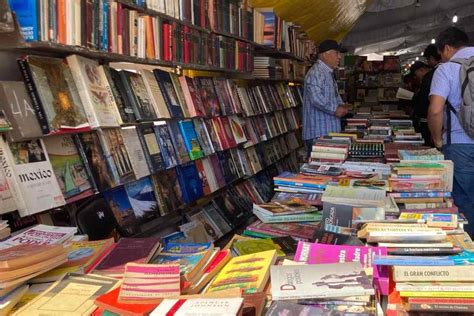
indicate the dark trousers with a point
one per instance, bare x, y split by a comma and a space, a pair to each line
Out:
309, 147
462, 156
425, 132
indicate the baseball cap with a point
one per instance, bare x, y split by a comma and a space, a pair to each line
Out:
326, 45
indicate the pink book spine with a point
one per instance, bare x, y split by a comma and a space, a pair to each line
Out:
187, 96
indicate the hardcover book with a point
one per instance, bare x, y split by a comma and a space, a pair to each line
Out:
151, 147
169, 93
19, 111
190, 139
228, 132
54, 95
94, 91
209, 96
223, 96
30, 176
213, 214
206, 188
163, 137
137, 95
135, 151
203, 136
178, 142
193, 97
71, 174
189, 182
238, 129
210, 173
168, 191
155, 93
124, 108
121, 207
319, 281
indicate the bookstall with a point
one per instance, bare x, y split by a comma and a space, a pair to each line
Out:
152, 164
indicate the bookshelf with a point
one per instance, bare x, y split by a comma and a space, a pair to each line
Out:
285, 132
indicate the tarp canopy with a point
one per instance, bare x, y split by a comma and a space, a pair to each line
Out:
406, 27
321, 19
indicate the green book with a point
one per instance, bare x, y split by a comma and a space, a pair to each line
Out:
246, 247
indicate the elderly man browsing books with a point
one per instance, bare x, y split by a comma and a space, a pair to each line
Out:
322, 105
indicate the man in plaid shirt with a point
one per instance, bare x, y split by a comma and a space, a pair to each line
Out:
322, 104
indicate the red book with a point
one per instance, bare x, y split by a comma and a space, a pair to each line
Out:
202, 174
109, 301
61, 13
227, 129
166, 41
219, 128
187, 44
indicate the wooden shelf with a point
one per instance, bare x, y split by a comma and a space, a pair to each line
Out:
276, 53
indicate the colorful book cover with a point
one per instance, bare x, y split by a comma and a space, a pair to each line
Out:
223, 96
29, 23
168, 191
119, 203
213, 135
206, 188
72, 175
238, 129
212, 230
316, 253
249, 273
149, 282
169, 93
199, 306
203, 137
124, 109
269, 28
142, 198
219, 132
196, 96
178, 142
319, 281
227, 131
209, 96
190, 139
190, 182
299, 231
144, 106
163, 137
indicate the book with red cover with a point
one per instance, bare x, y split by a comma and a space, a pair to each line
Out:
109, 301
166, 29
138, 250
227, 129
219, 129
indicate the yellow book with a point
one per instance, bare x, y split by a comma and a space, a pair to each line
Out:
354, 136
437, 294
249, 273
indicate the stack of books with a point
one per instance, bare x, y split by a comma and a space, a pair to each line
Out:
267, 67
421, 154
330, 149
380, 132
366, 151
293, 210
404, 133
300, 183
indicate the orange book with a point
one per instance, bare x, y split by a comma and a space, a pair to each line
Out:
109, 301
22, 256
61, 14
150, 43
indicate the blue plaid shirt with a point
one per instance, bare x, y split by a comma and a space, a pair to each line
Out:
320, 100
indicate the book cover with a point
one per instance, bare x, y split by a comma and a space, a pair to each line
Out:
190, 139
41, 235
142, 199
163, 137
227, 131
148, 283
179, 93
136, 250
206, 188
116, 154
135, 151
215, 306
337, 214
230, 210
238, 129
223, 96
189, 181
125, 110
109, 302
54, 94
29, 23
121, 207
94, 91
227, 166
212, 230
319, 281
74, 294
432, 274
212, 173
138, 96
213, 214
203, 137
18, 109
71, 174
195, 95
155, 94
169, 93
30, 176
90, 149
168, 191
249, 273
151, 147
209, 96
246, 247
213, 135
178, 142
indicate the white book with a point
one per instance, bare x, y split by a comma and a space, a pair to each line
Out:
7, 201
200, 306
155, 94
30, 176
319, 281
94, 90
135, 151
404, 94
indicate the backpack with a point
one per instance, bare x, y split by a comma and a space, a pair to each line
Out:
465, 114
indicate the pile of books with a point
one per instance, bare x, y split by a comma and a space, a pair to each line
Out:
293, 210
404, 133
330, 149
421, 154
300, 183
267, 67
360, 150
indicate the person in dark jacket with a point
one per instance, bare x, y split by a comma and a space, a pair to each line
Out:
424, 74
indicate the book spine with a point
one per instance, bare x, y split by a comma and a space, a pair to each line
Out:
423, 251
34, 95
434, 307
428, 274
437, 294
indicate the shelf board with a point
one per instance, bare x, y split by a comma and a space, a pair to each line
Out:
276, 53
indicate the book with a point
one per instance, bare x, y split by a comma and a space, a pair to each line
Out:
289, 207
331, 238
137, 96
178, 142
168, 152
432, 274
249, 273
109, 301
440, 305
41, 235
124, 108
142, 199
29, 24
213, 266
190, 139
137, 250
71, 174
121, 207
209, 96
149, 283
73, 294
218, 306
169, 93
26, 255
306, 217
246, 247
168, 191
135, 151
18, 110
8, 301
154, 92
150, 147
116, 154
296, 230
203, 136
94, 91
321, 281
54, 94
358, 197
193, 97
189, 181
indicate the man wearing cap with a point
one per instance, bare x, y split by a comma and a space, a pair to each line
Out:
423, 74
322, 105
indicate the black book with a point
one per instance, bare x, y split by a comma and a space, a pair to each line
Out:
150, 146
325, 237
337, 214
233, 214
137, 95
120, 94
224, 163
287, 244
169, 93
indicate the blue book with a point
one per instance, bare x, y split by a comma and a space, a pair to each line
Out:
190, 182
27, 14
186, 248
190, 139
433, 194
169, 93
299, 184
104, 37
142, 198
413, 261
170, 159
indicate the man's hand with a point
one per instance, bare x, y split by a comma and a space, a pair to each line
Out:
341, 110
